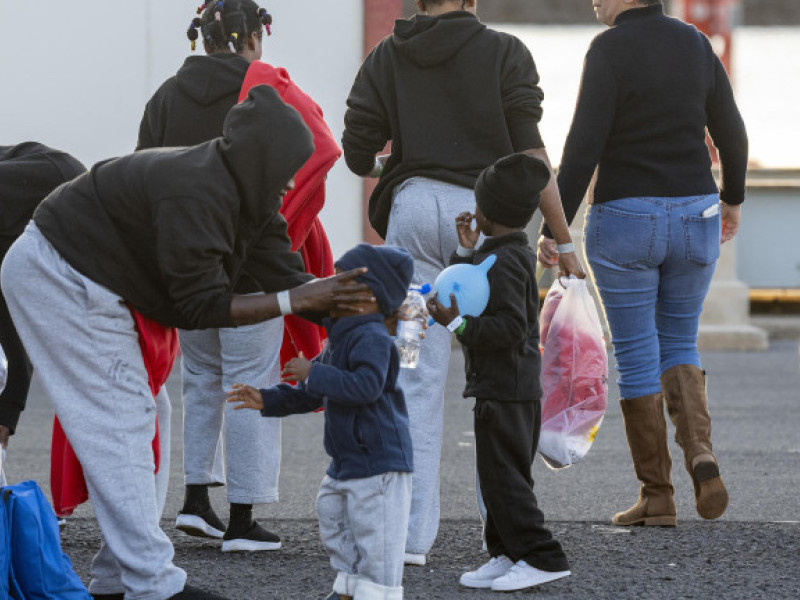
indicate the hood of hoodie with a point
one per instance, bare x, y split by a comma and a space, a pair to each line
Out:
430, 41
208, 79
265, 142
28, 173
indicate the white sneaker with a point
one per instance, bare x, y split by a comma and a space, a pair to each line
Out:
522, 575
417, 560
484, 575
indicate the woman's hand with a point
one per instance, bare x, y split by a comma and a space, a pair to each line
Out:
547, 254
731, 218
568, 264
439, 312
296, 369
249, 397
339, 293
467, 236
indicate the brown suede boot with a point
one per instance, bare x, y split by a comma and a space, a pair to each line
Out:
685, 392
646, 429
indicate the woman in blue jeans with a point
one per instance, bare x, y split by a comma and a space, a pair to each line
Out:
651, 88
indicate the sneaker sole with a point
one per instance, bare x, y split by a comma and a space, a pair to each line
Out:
476, 584
197, 527
514, 587
249, 546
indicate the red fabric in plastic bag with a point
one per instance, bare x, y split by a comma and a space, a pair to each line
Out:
574, 373
159, 347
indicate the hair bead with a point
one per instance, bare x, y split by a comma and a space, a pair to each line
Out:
191, 33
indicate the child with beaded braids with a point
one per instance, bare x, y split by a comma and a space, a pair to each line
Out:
187, 109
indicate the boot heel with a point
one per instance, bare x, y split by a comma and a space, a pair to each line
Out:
662, 521
712, 498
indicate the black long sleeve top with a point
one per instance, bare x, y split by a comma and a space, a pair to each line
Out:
650, 89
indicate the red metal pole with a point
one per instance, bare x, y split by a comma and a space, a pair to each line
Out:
717, 19
379, 18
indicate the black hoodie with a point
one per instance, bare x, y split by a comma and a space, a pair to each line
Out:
452, 95
28, 172
172, 230
190, 107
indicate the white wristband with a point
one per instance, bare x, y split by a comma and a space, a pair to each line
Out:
455, 323
284, 302
464, 252
565, 248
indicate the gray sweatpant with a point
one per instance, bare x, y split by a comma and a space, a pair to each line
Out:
423, 222
82, 341
213, 360
363, 524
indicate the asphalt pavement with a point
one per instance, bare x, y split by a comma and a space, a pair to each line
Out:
752, 552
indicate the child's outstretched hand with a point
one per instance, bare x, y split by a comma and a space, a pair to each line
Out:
467, 236
296, 369
440, 314
249, 397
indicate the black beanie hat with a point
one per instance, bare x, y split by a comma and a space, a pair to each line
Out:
508, 191
389, 275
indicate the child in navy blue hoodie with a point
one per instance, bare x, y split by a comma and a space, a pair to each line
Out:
365, 497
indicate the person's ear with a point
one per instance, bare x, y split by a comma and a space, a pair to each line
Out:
421, 5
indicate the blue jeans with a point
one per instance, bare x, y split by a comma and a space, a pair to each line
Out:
652, 261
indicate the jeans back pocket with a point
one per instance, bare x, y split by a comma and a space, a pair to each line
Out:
702, 238
621, 237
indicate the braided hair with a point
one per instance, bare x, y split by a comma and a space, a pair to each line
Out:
225, 25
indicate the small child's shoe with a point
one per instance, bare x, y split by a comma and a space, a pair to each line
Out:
484, 575
522, 575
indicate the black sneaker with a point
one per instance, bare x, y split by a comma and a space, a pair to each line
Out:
203, 524
253, 540
192, 593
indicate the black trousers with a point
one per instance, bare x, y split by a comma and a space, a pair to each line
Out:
506, 438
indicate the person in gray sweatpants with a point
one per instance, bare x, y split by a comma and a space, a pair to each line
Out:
452, 96
213, 359
423, 212
144, 234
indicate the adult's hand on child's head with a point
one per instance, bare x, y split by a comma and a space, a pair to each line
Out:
547, 254
440, 313
339, 292
296, 369
569, 265
467, 236
249, 397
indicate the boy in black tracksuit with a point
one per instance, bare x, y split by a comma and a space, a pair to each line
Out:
503, 365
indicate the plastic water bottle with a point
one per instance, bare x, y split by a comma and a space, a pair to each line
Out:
410, 325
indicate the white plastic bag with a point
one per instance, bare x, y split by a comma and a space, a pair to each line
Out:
574, 373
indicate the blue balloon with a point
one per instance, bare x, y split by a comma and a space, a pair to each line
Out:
468, 283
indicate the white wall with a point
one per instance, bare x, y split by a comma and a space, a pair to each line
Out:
76, 76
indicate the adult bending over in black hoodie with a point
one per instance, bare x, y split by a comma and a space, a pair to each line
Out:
28, 172
168, 233
453, 97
